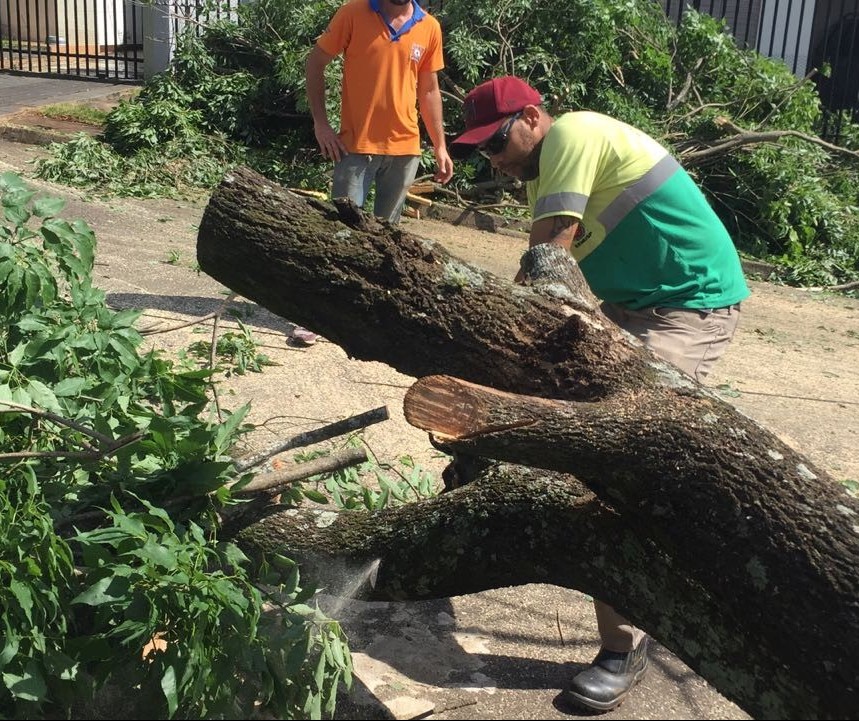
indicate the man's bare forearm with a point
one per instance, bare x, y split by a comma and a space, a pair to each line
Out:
558, 229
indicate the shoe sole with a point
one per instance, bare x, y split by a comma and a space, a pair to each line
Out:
589, 703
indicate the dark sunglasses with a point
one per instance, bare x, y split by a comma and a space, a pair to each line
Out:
498, 141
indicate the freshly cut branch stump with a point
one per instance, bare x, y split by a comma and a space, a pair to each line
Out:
732, 506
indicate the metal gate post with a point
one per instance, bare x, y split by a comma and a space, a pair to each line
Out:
158, 40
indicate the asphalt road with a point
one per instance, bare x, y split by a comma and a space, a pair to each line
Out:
18, 91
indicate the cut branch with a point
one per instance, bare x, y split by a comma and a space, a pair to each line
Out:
687, 85
58, 419
317, 435
274, 482
196, 321
105, 446
853, 284
749, 137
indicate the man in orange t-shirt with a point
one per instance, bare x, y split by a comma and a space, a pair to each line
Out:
392, 53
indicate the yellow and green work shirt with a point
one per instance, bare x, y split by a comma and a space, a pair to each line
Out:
647, 235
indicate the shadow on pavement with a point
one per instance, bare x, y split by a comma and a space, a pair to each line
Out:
248, 313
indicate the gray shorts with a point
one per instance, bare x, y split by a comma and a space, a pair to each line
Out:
693, 340
393, 174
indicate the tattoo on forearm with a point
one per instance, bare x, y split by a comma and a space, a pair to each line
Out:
560, 223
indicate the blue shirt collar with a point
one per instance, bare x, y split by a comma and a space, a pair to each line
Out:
418, 15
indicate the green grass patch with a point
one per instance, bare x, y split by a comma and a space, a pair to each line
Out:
76, 112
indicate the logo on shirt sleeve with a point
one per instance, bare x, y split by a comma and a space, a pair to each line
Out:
417, 52
582, 236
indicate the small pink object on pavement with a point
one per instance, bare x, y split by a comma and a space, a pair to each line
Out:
303, 336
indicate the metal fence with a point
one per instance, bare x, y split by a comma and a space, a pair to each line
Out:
742, 18
97, 39
83, 38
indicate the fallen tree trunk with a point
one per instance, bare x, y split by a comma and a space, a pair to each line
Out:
516, 525
686, 484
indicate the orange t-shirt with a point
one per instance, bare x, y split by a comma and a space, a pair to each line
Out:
378, 113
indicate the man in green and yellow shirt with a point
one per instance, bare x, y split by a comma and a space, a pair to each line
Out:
649, 245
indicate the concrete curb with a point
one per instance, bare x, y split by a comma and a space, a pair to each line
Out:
757, 268
32, 136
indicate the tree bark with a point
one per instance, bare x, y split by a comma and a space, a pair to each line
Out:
516, 525
732, 506
732, 550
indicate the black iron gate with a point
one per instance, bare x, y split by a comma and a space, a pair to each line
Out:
94, 38
83, 38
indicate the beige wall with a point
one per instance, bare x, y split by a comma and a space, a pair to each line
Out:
82, 23
15, 16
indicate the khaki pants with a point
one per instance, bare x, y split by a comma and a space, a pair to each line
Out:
693, 340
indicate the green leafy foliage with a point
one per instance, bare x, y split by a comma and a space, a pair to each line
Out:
791, 203
108, 533
215, 653
173, 169
235, 94
371, 486
238, 352
36, 582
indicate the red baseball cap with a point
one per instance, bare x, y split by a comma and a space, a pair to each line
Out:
486, 108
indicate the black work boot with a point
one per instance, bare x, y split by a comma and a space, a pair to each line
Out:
608, 680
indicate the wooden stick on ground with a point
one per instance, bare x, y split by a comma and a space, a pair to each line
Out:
417, 199
275, 482
324, 433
